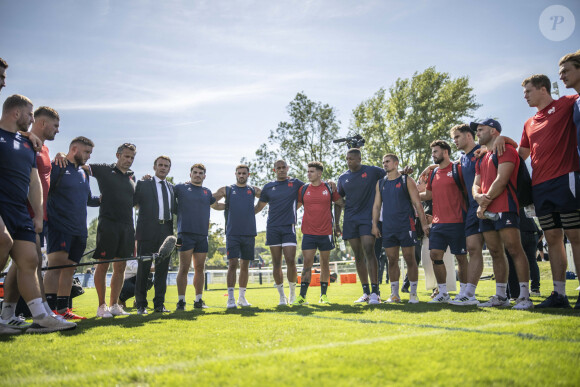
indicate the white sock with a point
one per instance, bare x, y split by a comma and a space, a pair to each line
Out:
470, 290
36, 308
500, 289
414, 287
47, 308
524, 290
560, 287
242, 292
292, 286
395, 288
280, 288
181, 298
231, 293
442, 288
8, 309
198, 297
462, 287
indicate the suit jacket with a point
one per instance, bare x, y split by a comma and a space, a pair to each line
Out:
146, 198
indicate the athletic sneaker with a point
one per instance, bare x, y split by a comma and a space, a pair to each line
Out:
231, 303
199, 304
69, 315
465, 300
374, 299
555, 301
103, 311
300, 301
441, 298
9, 331
180, 306
457, 297
117, 310
15, 323
283, 301
48, 324
413, 299
523, 304
535, 293
243, 302
324, 299
495, 301
362, 299
393, 299
292, 299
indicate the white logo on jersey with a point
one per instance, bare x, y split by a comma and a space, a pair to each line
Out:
113, 172
508, 222
233, 192
66, 172
307, 193
346, 181
189, 188
449, 174
273, 188
325, 193
552, 110
2, 139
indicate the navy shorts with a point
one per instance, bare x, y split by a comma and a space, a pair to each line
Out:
506, 220
281, 235
320, 242
352, 229
240, 246
399, 239
74, 245
114, 240
190, 241
561, 194
450, 235
18, 222
471, 222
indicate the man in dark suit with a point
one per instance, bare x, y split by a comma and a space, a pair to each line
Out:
155, 200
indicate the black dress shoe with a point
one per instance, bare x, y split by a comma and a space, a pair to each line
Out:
161, 309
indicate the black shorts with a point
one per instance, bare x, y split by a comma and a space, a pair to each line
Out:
238, 246
18, 222
74, 245
114, 240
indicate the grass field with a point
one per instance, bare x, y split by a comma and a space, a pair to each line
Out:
339, 345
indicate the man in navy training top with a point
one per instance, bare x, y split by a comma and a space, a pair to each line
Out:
449, 208
240, 231
317, 198
19, 181
193, 208
494, 189
357, 186
398, 197
69, 195
570, 75
115, 232
281, 195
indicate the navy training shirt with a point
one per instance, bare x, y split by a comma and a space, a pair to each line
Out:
281, 197
67, 200
193, 207
468, 161
358, 188
17, 158
117, 190
241, 216
398, 213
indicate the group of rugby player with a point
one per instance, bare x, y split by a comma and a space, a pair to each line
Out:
474, 201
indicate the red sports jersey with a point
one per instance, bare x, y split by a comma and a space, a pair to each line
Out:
488, 173
317, 219
448, 202
44, 167
551, 137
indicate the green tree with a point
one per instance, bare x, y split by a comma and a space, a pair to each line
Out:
411, 115
307, 136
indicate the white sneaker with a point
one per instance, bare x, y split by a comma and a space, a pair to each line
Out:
457, 297
535, 293
283, 301
523, 304
441, 298
48, 324
243, 302
495, 301
117, 310
413, 299
9, 331
103, 311
374, 299
231, 303
15, 323
464, 300
394, 299
291, 299
362, 299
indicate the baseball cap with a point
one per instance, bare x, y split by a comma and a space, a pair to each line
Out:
489, 122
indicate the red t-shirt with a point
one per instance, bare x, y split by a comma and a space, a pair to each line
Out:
44, 167
448, 202
488, 173
551, 137
317, 219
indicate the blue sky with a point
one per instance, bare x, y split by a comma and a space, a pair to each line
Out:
205, 81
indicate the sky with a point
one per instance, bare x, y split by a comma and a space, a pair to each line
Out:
206, 81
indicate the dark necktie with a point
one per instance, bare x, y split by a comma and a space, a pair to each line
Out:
166, 214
